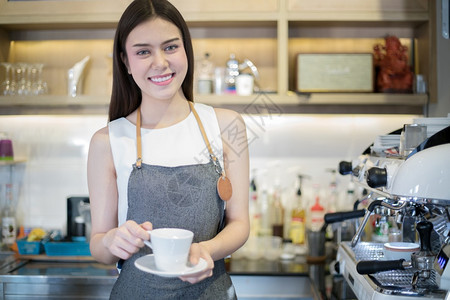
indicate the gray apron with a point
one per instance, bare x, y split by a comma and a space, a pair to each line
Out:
183, 197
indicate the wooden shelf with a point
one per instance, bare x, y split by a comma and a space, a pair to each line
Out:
54, 105
15, 161
54, 100
320, 103
320, 99
374, 103
359, 17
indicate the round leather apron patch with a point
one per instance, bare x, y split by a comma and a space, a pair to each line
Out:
224, 188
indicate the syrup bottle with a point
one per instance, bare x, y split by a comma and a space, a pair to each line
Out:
297, 226
277, 214
317, 212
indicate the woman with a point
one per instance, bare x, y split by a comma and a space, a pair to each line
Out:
151, 167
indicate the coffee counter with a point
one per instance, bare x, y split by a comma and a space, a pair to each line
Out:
82, 278
297, 267
277, 279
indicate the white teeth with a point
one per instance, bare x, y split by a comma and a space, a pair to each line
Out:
161, 79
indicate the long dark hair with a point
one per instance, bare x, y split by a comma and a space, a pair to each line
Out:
126, 95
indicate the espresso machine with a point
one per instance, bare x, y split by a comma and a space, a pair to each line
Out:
413, 191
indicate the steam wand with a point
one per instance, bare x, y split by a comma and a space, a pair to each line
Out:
364, 221
369, 211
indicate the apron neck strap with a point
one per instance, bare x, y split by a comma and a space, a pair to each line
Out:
139, 139
202, 130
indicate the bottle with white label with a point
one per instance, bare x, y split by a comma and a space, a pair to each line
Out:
205, 74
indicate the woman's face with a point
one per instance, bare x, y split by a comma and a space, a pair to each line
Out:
156, 58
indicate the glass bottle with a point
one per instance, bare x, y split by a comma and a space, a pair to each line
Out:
8, 219
265, 229
317, 213
205, 75
254, 211
232, 71
277, 218
297, 226
333, 198
219, 80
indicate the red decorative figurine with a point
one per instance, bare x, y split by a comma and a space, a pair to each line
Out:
391, 62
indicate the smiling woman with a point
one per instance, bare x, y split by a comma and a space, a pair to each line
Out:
158, 163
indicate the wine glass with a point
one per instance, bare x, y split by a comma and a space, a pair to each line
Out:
6, 85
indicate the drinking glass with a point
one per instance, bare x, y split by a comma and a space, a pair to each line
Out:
5, 86
38, 86
30, 78
13, 87
21, 79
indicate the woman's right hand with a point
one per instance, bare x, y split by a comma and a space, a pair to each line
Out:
127, 239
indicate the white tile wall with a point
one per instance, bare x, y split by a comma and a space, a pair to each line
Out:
312, 144
55, 148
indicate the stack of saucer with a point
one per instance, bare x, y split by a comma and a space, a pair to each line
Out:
386, 142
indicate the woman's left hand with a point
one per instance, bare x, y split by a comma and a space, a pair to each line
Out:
196, 252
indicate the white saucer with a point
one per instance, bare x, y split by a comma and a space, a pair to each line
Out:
147, 264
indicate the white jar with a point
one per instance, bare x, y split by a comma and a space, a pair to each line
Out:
244, 84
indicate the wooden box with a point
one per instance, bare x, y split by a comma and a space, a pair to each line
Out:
340, 72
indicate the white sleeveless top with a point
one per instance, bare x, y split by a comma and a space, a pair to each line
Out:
178, 145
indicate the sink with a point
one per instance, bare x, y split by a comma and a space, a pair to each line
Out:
6, 258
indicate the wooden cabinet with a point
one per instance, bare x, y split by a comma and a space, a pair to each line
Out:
359, 10
195, 9
268, 32
57, 14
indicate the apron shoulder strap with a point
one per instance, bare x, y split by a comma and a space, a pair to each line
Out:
202, 130
138, 139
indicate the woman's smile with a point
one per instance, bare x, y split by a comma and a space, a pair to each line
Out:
162, 79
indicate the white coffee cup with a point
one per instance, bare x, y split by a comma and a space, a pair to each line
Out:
170, 248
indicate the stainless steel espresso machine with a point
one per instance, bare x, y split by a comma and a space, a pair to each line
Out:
415, 192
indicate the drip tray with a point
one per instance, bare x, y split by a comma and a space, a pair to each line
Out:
396, 282
397, 279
